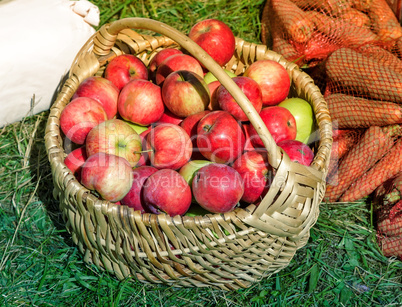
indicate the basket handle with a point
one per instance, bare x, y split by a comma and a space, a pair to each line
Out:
195, 50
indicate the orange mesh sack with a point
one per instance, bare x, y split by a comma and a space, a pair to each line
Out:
352, 49
388, 207
307, 31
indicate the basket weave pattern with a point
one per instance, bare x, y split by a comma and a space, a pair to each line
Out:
225, 251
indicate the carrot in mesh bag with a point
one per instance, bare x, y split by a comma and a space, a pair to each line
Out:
356, 112
391, 246
358, 18
283, 46
384, 22
398, 47
318, 48
371, 147
391, 227
352, 71
387, 167
382, 56
344, 139
362, 5
330, 7
341, 31
293, 19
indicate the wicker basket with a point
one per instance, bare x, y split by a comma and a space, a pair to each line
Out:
224, 251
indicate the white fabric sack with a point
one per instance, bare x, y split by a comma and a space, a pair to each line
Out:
39, 40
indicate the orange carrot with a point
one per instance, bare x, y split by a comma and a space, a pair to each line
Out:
330, 7
355, 112
391, 246
319, 47
384, 22
287, 50
362, 75
398, 47
265, 26
371, 147
344, 139
294, 20
362, 5
391, 227
356, 17
382, 56
341, 31
387, 167
282, 45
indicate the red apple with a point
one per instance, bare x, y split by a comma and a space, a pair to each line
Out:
248, 146
216, 38
116, 137
124, 68
256, 173
273, 80
213, 87
190, 124
102, 90
252, 91
133, 198
280, 122
185, 93
217, 188
144, 159
111, 176
177, 62
74, 161
220, 137
79, 117
160, 57
169, 146
140, 102
169, 118
167, 191
297, 151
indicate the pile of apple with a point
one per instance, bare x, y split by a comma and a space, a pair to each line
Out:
169, 136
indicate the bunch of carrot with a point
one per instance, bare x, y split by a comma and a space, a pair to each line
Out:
364, 93
353, 50
313, 29
364, 96
364, 161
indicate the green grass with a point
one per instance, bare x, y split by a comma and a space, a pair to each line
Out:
40, 266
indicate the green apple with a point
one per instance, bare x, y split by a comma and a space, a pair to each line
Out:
138, 128
304, 116
189, 169
196, 210
209, 77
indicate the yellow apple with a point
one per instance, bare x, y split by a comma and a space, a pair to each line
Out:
304, 116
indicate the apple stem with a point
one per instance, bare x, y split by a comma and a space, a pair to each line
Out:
149, 150
207, 128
